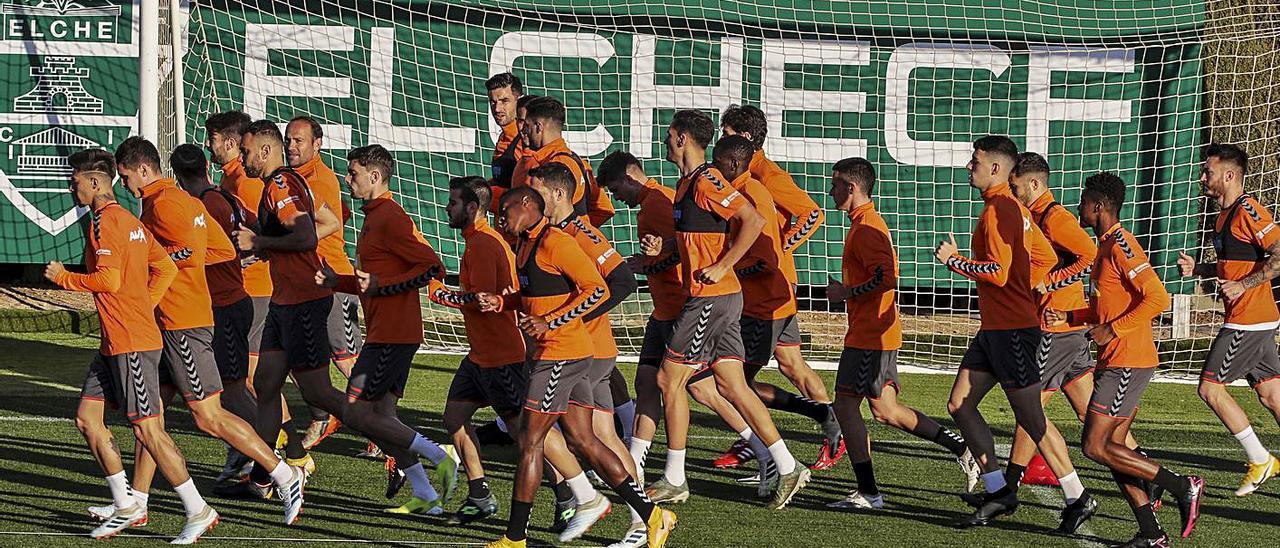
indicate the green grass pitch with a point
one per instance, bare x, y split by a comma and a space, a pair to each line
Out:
47, 476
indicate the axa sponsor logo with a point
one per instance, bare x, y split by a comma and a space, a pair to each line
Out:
138, 235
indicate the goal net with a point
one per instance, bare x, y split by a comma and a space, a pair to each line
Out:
1135, 88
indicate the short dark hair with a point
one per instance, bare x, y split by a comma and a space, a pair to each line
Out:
524, 100
188, 163
525, 192
1105, 187
93, 159
860, 171
747, 119
265, 128
1226, 152
696, 124
998, 144
614, 166
136, 151
504, 80
546, 108
374, 157
473, 189
1030, 162
556, 175
734, 147
228, 124
317, 131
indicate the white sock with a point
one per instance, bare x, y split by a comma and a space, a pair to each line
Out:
639, 450
502, 425
192, 502
635, 516
121, 495
1253, 449
1072, 489
781, 456
422, 487
582, 488
675, 467
994, 481
627, 414
757, 445
427, 449
282, 474
141, 497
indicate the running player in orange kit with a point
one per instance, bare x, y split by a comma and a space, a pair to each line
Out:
798, 219
1127, 296
1247, 246
869, 362
128, 273
395, 260
558, 285
303, 139
542, 125
180, 224
1010, 257
504, 90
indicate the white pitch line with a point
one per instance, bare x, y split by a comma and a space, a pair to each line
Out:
37, 382
274, 539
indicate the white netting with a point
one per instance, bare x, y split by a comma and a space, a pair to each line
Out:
1131, 87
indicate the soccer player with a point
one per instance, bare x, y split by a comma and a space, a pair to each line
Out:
1127, 296
223, 142
395, 260
1247, 246
798, 219
555, 183
558, 285
504, 91
706, 333
1010, 256
491, 374
127, 274
624, 177
542, 126
180, 225
869, 363
303, 139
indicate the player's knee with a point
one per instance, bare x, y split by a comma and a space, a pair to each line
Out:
357, 415
1209, 392
882, 413
454, 419
703, 392
957, 408
1095, 449
208, 421
89, 426
1270, 398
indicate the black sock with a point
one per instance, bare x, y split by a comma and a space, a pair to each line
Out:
1148, 527
518, 525
1171, 482
260, 475
1013, 474
951, 440
563, 492
866, 478
634, 497
293, 448
478, 488
1139, 450
800, 405
318, 414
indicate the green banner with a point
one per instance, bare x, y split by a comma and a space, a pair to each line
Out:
907, 85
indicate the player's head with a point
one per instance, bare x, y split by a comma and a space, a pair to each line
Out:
303, 138
190, 167
747, 121
852, 181
622, 175
1101, 200
261, 146
556, 184
543, 120
732, 155
504, 90
224, 130
469, 199
992, 161
1030, 177
519, 209
1222, 173
91, 173
138, 163
690, 132
522, 111
369, 171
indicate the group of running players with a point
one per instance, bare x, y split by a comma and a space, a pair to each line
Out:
222, 292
